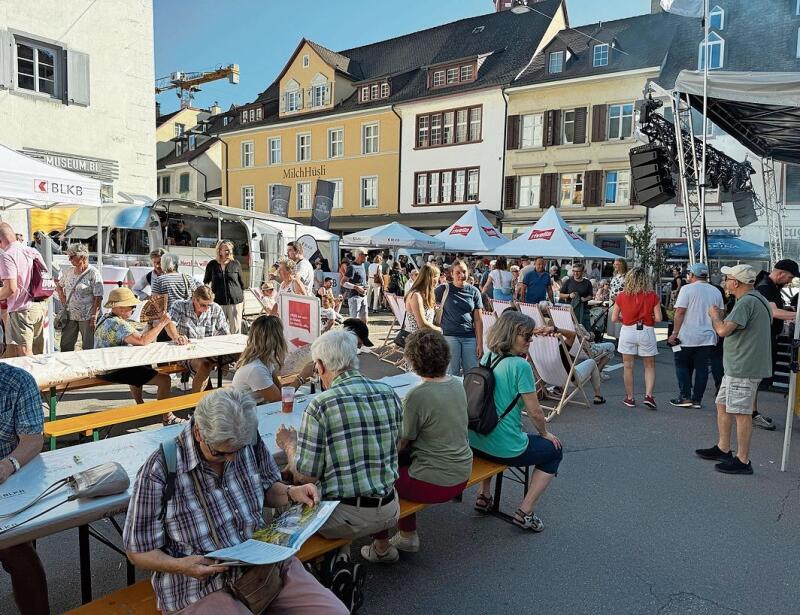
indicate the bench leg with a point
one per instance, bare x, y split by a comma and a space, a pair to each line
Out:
85, 563
95, 435
52, 405
219, 372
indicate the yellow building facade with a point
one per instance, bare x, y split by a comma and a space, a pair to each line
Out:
304, 140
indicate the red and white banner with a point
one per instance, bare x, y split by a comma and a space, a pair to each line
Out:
460, 230
545, 234
301, 319
491, 231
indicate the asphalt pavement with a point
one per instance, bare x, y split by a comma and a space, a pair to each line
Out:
635, 523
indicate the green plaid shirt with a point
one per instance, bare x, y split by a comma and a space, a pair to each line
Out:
348, 438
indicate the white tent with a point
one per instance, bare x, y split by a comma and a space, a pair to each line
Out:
551, 237
472, 232
393, 235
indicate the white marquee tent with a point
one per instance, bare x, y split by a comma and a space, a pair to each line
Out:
393, 235
472, 232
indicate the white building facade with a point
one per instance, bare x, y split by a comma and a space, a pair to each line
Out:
76, 88
452, 157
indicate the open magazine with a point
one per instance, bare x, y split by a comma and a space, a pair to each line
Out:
280, 540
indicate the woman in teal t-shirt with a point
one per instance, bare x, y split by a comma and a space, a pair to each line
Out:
508, 443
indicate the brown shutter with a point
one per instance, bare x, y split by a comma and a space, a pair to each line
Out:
510, 199
553, 127
580, 125
599, 114
549, 190
512, 132
592, 181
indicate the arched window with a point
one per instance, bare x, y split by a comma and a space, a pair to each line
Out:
716, 52
716, 18
319, 90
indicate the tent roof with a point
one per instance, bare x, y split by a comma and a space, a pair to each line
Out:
722, 245
26, 182
472, 232
761, 110
551, 237
393, 235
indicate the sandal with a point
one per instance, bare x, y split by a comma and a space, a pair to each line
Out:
527, 521
174, 420
598, 399
483, 504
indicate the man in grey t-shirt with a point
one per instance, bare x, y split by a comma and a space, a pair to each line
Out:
746, 359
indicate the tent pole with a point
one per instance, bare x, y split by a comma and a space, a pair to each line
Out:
100, 240
702, 179
787, 431
48, 261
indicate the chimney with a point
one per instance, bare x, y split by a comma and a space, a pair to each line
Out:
655, 6
158, 109
502, 5
215, 109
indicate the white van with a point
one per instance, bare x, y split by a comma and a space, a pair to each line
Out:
131, 232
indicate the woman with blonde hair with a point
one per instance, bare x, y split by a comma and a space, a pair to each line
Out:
261, 361
224, 275
638, 309
421, 301
290, 282
501, 280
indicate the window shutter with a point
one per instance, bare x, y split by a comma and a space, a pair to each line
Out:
6, 60
283, 103
300, 91
512, 132
553, 127
511, 192
77, 78
592, 180
599, 115
580, 125
549, 190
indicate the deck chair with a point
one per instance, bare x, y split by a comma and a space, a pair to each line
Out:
388, 351
563, 317
488, 319
532, 310
500, 306
547, 361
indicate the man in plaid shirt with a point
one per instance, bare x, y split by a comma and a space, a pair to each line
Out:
197, 318
348, 441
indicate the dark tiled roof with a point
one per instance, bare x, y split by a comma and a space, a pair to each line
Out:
507, 39
338, 61
639, 42
168, 116
186, 156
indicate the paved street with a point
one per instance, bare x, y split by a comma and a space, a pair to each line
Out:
635, 523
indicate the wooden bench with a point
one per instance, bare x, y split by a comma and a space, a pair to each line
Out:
139, 599
89, 424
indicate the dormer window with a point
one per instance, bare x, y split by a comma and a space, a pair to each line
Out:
384, 90
555, 62
600, 56
438, 78
716, 52
452, 75
374, 91
320, 90
192, 142
292, 97
716, 18
251, 115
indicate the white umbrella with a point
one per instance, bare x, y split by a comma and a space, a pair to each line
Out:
393, 235
472, 232
551, 237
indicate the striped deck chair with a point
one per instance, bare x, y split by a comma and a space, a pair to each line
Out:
488, 319
563, 317
500, 306
532, 310
547, 361
388, 351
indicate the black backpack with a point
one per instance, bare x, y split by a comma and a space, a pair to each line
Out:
479, 386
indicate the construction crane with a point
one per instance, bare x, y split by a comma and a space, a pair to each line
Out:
187, 83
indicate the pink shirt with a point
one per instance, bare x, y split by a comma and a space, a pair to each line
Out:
17, 262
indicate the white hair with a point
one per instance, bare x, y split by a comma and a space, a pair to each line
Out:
336, 350
78, 249
227, 416
359, 252
170, 262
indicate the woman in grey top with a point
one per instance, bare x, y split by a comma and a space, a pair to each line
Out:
177, 286
80, 290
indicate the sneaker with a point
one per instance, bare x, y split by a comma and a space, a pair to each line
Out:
650, 402
714, 454
401, 543
764, 422
679, 402
734, 466
630, 402
696, 405
605, 377
370, 553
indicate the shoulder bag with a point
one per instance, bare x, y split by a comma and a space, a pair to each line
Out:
402, 334
62, 319
437, 315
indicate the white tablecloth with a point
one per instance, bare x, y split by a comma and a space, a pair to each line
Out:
64, 367
129, 450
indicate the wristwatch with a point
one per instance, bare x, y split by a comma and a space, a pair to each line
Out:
14, 463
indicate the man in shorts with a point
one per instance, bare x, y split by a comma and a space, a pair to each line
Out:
746, 359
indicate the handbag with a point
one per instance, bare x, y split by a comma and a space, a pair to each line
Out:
439, 312
400, 338
259, 585
60, 321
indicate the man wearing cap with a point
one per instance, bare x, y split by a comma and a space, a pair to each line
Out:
694, 335
770, 287
746, 361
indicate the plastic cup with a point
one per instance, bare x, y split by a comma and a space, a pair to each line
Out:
287, 399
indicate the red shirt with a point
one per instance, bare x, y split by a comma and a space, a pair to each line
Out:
634, 308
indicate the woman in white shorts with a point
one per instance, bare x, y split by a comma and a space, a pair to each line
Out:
638, 308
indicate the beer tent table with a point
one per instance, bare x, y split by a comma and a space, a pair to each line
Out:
472, 233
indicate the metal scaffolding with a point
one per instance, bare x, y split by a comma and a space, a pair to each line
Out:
773, 210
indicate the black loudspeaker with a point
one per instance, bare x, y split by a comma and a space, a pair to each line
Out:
744, 208
651, 173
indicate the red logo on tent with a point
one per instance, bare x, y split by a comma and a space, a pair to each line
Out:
460, 230
546, 234
489, 230
40, 185
574, 235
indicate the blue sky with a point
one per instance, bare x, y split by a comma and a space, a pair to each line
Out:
259, 35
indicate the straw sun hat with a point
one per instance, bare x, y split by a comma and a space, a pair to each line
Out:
121, 297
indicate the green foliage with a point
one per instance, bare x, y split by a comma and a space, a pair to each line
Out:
646, 252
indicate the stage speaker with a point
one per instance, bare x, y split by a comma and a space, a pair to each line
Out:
744, 208
651, 172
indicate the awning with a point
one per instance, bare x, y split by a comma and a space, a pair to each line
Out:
393, 235
760, 110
